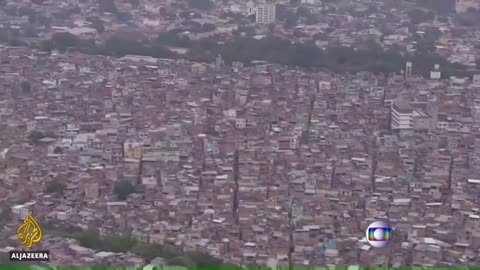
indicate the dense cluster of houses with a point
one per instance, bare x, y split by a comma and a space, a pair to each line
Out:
259, 164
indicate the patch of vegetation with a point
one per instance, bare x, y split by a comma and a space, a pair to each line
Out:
122, 189
5, 215
56, 187
201, 4
25, 87
91, 238
364, 57
35, 136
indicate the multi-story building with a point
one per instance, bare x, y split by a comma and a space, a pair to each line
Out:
133, 149
476, 80
463, 5
92, 191
401, 115
265, 13
250, 8
21, 211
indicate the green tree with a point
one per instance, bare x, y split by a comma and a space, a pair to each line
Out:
119, 243
134, 3
477, 62
146, 251
208, 27
26, 11
89, 238
302, 11
203, 260
124, 16
281, 11
56, 187
25, 86
5, 263
50, 134
440, 6
433, 33
171, 38
466, 21
64, 230
46, 46
5, 215
35, 136
60, 15
312, 19
123, 188
231, 266
418, 16
11, 10
412, 28
64, 40
30, 31
201, 4
425, 46
162, 11
471, 10
58, 150
182, 261
15, 42
108, 6
151, 251
97, 23
291, 19
276, 50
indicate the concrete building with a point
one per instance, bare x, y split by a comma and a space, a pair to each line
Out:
21, 211
92, 191
250, 8
476, 80
462, 6
132, 149
422, 121
401, 115
265, 13
408, 69
436, 74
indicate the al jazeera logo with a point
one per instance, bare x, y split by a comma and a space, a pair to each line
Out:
29, 233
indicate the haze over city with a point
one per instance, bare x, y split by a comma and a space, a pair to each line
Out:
240, 133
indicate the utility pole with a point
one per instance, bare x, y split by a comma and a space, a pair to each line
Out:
235, 189
291, 228
306, 133
450, 173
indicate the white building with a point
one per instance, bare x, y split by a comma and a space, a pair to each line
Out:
401, 116
476, 80
323, 85
265, 13
21, 211
80, 142
250, 8
436, 74
463, 5
92, 191
241, 123
63, 212
133, 148
149, 181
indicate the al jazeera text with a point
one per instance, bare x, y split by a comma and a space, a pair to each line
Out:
38, 256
